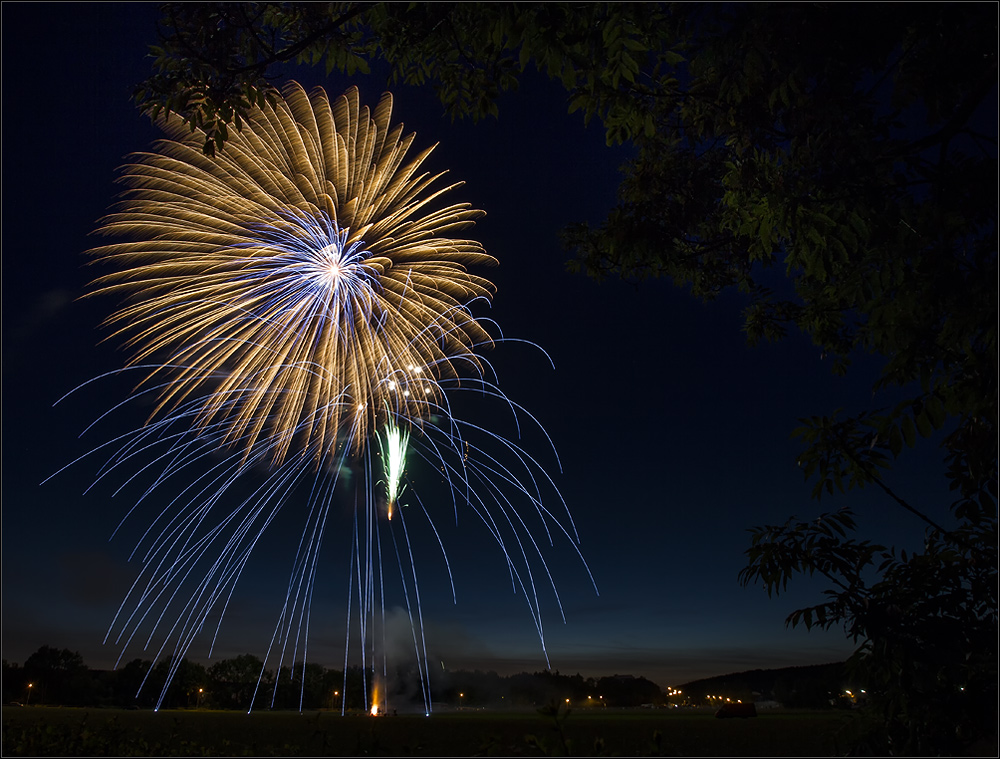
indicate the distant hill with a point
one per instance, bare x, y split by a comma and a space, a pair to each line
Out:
809, 686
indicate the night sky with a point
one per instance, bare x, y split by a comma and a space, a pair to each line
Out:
674, 435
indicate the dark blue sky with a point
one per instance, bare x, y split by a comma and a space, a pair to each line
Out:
673, 434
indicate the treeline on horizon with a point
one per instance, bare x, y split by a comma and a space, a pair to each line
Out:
60, 677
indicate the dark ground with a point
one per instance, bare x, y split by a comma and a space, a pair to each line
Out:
43, 731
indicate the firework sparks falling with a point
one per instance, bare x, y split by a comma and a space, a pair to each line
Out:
394, 447
286, 301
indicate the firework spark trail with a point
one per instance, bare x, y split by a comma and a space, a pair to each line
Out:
510, 478
455, 439
421, 661
362, 609
466, 470
350, 608
305, 563
187, 553
162, 544
377, 543
481, 508
507, 475
424, 682
232, 559
150, 431
444, 554
393, 451
319, 500
304, 296
238, 466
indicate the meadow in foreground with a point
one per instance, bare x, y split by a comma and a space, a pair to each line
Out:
41, 731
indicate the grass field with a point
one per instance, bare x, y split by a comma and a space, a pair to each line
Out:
42, 731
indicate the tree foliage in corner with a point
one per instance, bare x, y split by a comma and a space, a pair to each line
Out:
212, 61
837, 165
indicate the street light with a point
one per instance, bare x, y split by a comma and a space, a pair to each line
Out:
28, 699
200, 692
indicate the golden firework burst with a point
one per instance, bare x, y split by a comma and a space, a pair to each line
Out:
298, 287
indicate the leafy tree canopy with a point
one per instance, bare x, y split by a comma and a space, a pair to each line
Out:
834, 163
832, 148
51, 660
241, 678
